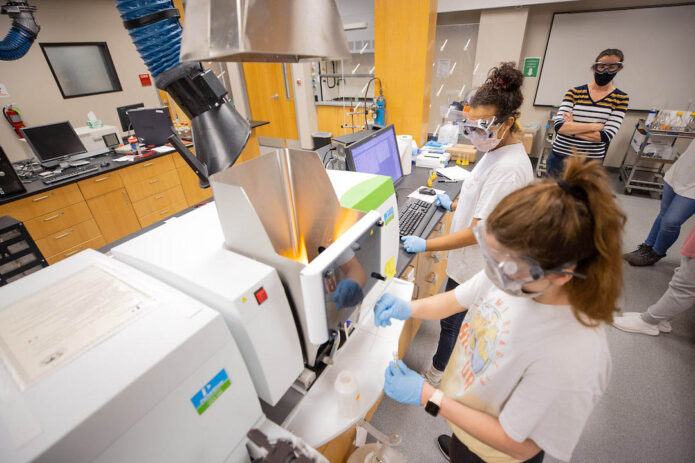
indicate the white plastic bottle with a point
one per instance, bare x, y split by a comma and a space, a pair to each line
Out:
448, 134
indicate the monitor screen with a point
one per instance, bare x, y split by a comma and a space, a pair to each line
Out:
53, 141
378, 154
111, 140
123, 117
152, 125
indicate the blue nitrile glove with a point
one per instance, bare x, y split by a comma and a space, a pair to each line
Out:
348, 293
413, 243
403, 384
443, 200
388, 307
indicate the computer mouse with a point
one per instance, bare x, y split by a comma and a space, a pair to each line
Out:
104, 164
427, 191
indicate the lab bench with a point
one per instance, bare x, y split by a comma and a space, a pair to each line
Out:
110, 203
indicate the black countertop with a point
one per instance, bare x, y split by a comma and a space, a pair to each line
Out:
37, 186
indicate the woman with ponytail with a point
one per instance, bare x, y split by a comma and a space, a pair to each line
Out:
531, 360
491, 125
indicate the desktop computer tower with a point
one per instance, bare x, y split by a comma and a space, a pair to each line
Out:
9, 181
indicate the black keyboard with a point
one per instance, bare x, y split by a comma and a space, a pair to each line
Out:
76, 172
414, 216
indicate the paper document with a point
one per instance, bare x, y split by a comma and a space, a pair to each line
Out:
426, 198
163, 149
126, 158
454, 173
43, 332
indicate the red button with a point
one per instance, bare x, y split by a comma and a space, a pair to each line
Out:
261, 296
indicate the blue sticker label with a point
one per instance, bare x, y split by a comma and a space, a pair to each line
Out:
388, 216
205, 397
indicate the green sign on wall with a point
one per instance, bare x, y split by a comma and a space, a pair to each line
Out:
531, 67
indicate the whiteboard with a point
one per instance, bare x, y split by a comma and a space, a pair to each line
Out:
659, 48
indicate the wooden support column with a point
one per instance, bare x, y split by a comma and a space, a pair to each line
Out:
404, 45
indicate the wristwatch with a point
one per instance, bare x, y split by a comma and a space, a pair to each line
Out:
432, 405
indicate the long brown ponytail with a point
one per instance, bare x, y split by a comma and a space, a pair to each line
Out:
572, 220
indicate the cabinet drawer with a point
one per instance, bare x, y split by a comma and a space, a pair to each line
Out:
100, 184
141, 190
191, 188
94, 243
42, 203
159, 201
69, 237
156, 216
55, 221
178, 159
146, 169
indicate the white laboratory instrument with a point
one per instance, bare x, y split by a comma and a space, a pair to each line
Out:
104, 363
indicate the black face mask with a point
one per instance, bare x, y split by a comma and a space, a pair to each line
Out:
603, 79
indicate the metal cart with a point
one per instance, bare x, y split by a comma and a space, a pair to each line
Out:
639, 171
548, 137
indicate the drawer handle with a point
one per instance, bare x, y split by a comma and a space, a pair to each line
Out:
164, 212
48, 219
159, 197
148, 164
125, 196
438, 227
102, 179
74, 252
40, 198
432, 278
63, 235
154, 181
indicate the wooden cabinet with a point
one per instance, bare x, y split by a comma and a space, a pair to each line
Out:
333, 119
43, 203
57, 220
152, 185
68, 238
191, 188
95, 186
146, 169
114, 214
94, 243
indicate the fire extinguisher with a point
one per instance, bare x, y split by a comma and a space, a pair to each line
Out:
14, 117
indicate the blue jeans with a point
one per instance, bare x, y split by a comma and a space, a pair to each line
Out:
450, 328
555, 164
675, 210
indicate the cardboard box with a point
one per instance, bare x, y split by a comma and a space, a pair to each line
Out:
527, 140
462, 152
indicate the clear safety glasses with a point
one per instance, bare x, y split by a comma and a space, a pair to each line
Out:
480, 128
512, 270
603, 68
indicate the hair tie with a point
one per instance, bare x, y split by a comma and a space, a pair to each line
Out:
576, 192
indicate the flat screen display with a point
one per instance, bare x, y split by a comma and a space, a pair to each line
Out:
378, 154
53, 141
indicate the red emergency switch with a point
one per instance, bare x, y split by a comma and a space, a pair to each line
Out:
261, 296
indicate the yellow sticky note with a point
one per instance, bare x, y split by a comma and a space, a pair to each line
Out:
390, 268
243, 299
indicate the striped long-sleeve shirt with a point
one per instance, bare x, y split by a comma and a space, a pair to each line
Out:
610, 110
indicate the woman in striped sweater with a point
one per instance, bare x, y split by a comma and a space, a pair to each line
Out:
590, 115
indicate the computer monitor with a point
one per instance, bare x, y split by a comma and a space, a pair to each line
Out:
152, 126
52, 143
377, 153
123, 116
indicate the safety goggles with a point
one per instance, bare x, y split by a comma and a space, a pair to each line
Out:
511, 270
481, 128
603, 68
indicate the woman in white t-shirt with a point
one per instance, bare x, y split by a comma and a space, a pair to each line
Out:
531, 359
492, 128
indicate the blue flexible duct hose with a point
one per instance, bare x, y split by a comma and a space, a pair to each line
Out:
159, 44
15, 44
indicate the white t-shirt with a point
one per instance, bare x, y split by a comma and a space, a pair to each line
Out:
532, 365
497, 174
681, 175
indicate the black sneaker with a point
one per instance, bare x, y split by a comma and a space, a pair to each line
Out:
650, 257
443, 442
641, 249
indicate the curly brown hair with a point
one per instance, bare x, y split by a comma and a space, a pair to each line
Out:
502, 89
548, 223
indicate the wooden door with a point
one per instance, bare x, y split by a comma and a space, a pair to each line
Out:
271, 99
114, 214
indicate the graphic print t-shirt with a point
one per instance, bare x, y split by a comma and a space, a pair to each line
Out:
532, 365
